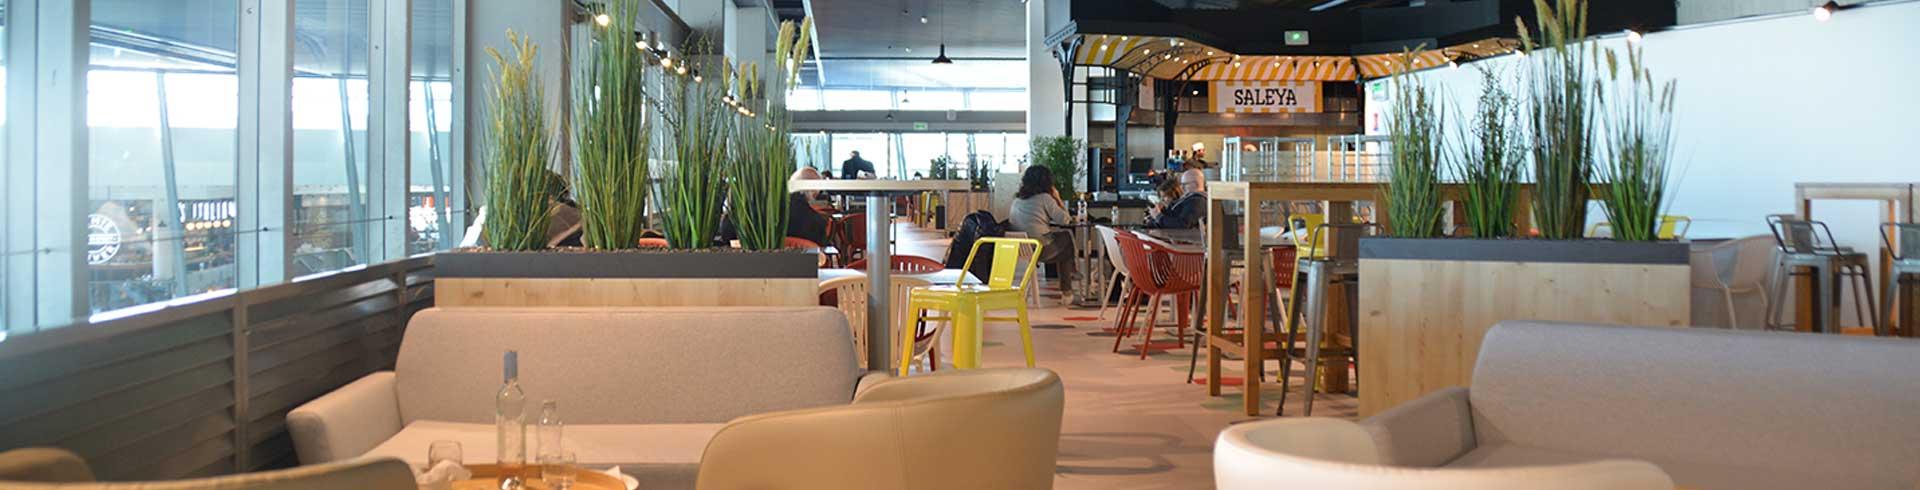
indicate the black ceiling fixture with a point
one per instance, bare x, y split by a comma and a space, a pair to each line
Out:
942, 59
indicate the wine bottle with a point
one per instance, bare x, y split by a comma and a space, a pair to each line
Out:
510, 423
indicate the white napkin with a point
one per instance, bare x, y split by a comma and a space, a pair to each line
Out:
442, 476
630, 482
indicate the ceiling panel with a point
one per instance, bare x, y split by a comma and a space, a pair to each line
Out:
883, 42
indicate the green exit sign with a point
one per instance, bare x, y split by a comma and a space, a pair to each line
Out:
919, 126
1297, 38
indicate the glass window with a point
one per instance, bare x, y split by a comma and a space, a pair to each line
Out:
804, 99
920, 149
430, 216
330, 223
813, 151
997, 100
840, 99
932, 100
162, 108
873, 147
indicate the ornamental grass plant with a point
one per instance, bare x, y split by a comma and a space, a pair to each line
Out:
518, 146
1412, 193
1490, 160
612, 140
1559, 114
699, 127
1639, 143
764, 154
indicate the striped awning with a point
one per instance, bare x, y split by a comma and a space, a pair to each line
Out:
1176, 59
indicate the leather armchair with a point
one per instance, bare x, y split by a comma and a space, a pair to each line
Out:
972, 429
1333, 453
54, 469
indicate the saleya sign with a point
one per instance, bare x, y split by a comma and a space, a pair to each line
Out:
1247, 96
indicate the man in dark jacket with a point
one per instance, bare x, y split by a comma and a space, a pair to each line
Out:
851, 168
1181, 214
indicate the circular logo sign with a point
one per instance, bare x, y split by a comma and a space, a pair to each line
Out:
103, 239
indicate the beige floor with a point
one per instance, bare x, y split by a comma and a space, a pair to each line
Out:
1130, 423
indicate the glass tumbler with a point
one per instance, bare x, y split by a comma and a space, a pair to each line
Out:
559, 469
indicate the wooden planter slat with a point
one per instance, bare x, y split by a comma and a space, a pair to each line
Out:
626, 278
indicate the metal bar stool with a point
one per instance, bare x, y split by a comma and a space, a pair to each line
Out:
1906, 261
1810, 244
1334, 261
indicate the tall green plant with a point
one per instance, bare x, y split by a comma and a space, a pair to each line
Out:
1490, 159
1412, 192
1559, 115
1639, 139
1060, 154
764, 154
699, 125
612, 140
518, 145
942, 167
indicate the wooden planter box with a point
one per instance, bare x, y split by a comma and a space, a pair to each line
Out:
626, 278
1425, 304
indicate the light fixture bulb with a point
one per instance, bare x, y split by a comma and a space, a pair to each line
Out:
1825, 11
908, 49
666, 62
640, 44
923, 19
603, 19
696, 79
1633, 36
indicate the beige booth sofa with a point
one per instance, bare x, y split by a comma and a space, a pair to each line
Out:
1334, 453
1714, 409
643, 388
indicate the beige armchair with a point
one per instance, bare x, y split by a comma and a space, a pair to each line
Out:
975, 429
1333, 453
56, 469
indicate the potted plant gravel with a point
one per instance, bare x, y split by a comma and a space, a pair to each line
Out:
726, 147
1587, 130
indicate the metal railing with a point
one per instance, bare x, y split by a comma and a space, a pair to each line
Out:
203, 388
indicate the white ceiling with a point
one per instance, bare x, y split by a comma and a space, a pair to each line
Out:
883, 42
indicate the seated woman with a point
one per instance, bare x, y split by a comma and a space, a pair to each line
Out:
1182, 211
1035, 209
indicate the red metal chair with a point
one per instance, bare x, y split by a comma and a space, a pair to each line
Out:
852, 237
654, 243
910, 264
1157, 271
795, 242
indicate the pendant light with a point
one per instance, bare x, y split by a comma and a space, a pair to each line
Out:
942, 59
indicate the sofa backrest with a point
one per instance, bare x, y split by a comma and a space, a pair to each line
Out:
1824, 403
627, 365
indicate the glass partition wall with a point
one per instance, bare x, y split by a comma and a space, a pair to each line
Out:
902, 154
201, 158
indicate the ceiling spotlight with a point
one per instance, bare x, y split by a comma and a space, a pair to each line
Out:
1825, 11
1146, 51
603, 19
640, 44
908, 49
681, 70
1167, 56
923, 19
1236, 64
1123, 38
1633, 36
942, 59
666, 62
1196, 92
1103, 47
1452, 64
696, 78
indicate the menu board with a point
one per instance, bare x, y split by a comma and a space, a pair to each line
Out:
1263, 97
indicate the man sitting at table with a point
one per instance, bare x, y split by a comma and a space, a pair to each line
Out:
1183, 212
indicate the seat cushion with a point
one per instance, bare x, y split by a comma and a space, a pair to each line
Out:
660, 456
1692, 475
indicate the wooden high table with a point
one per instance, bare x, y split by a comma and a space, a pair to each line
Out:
1338, 198
880, 194
1900, 204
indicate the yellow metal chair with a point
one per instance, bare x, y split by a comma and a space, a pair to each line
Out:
1015, 262
1672, 227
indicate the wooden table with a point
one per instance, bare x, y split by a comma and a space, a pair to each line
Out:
879, 194
1898, 205
1338, 199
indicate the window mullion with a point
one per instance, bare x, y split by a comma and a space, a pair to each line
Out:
264, 193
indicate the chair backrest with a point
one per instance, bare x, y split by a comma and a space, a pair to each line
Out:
853, 233
1680, 395
1112, 249
627, 365
1801, 237
1282, 260
903, 309
43, 464
1906, 247
1340, 242
1009, 439
1013, 261
911, 264
1674, 227
1334, 453
1137, 257
797, 243
654, 243
1753, 262
357, 474
850, 297
1302, 226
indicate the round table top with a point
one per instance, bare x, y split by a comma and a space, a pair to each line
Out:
878, 186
